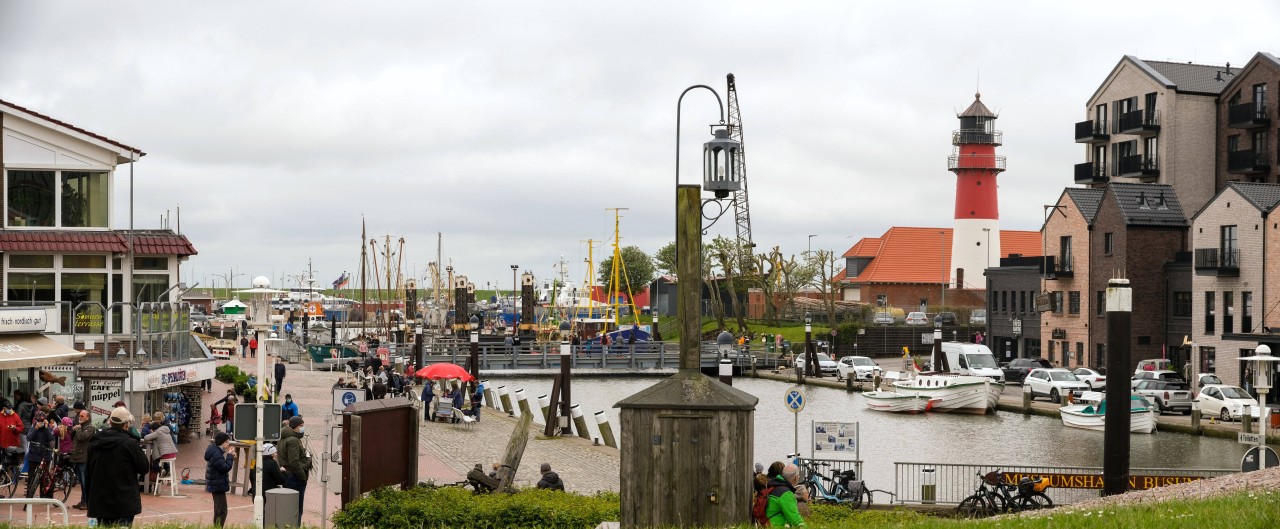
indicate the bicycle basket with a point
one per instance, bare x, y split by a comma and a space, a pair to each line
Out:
1041, 484
992, 478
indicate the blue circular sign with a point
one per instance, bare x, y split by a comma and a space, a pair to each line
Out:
348, 398
288, 327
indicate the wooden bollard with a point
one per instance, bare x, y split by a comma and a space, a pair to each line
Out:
1195, 419
488, 394
522, 403
606, 431
579, 422
505, 399
544, 404
1026, 399
848, 384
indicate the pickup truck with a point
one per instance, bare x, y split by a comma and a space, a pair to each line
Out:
1017, 369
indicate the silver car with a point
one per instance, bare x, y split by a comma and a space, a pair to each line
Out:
1168, 395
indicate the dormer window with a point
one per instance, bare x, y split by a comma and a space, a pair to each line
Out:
56, 199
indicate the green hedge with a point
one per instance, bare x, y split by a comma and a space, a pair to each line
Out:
431, 506
226, 373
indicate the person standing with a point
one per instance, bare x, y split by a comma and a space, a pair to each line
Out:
115, 461
294, 459
11, 427
783, 505
228, 409
289, 409
279, 374
81, 434
428, 394
60, 409
244, 347
219, 459
272, 477
253, 347
458, 401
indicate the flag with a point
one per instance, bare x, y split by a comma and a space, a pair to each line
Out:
341, 281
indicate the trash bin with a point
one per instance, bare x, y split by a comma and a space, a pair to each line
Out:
281, 508
928, 485
1275, 417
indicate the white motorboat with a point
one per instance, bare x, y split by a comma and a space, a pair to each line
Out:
1091, 413
892, 401
954, 393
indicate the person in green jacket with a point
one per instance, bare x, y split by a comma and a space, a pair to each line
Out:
783, 508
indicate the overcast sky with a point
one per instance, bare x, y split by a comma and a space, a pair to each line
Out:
510, 127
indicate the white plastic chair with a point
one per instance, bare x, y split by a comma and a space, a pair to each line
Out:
169, 474
466, 420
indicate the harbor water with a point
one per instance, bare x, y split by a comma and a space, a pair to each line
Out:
1003, 438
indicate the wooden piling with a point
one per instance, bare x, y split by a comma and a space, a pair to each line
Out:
505, 399
606, 431
580, 422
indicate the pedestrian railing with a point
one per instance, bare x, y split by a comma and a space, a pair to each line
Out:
839, 465
949, 483
32, 502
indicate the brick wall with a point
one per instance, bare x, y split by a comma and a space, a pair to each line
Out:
1255, 72
907, 296
1070, 222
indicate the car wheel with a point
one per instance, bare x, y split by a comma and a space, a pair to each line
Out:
1224, 415
1054, 397
1160, 407
1186, 411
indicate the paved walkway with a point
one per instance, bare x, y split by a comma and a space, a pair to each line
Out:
446, 453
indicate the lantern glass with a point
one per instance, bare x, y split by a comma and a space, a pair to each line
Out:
719, 168
724, 342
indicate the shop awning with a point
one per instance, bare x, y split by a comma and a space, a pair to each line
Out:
34, 350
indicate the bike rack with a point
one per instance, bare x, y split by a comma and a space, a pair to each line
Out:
31, 502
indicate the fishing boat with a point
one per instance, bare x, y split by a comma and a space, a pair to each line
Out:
1091, 413
953, 393
894, 402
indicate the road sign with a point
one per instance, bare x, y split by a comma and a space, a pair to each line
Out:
343, 397
795, 399
246, 424
1249, 438
1252, 458
288, 328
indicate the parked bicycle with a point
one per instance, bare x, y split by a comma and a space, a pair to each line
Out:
993, 496
842, 488
11, 470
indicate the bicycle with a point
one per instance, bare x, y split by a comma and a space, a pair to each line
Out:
841, 488
11, 469
996, 499
63, 476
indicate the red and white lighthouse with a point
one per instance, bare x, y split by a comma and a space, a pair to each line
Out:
975, 241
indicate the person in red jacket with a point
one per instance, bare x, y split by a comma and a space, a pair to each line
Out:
253, 347
10, 427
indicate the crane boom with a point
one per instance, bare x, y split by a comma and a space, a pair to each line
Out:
741, 207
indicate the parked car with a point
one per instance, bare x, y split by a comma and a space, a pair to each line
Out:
948, 318
882, 317
825, 363
1226, 402
1054, 383
1154, 364
857, 368
1168, 395
1091, 377
1208, 378
1155, 375
978, 317
1016, 370
917, 318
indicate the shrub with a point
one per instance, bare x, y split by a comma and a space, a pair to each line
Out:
431, 506
241, 383
226, 373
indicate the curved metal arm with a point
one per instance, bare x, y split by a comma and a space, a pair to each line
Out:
678, 103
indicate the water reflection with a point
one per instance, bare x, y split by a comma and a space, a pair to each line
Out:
1003, 438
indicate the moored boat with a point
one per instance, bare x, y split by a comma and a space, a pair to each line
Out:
954, 393
1091, 413
892, 401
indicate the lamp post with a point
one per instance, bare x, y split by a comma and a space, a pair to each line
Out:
1263, 366
474, 323
513, 297
810, 250
937, 343
724, 343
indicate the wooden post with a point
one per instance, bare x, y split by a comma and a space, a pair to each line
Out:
1115, 435
688, 258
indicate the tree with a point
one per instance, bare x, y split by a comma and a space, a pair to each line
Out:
666, 258
824, 264
723, 251
636, 273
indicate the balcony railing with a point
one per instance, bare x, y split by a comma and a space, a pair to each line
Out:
975, 161
1091, 173
1138, 166
1248, 115
1091, 132
1218, 261
977, 136
1063, 267
1248, 162
1140, 122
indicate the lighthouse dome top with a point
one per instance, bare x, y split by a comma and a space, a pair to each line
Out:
261, 282
977, 109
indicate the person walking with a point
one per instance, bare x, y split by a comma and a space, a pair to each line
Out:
289, 409
219, 459
279, 374
295, 459
784, 509
550, 480
253, 347
81, 434
114, 463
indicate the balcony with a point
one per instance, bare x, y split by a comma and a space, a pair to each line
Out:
975, 161
1248, 115
1090, 173
977, 136
1248, 162
1140, 122
1063, 267
1138, 166
1092, 132
1216, 261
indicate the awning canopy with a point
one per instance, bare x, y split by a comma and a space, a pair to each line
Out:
34, 350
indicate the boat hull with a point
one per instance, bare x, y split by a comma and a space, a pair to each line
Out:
959, 394
1139, 421
893, 402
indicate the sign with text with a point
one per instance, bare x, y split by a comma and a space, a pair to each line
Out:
1094, 481
1249, 438
102, 394
173, 376
22, 320
837, 437
343, 397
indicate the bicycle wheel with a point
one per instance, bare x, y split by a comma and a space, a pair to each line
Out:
812, 489
974, 506
861, 500
1042, 499
33, 481
62, 484
14, 476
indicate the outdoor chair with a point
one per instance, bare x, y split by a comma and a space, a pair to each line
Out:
466, 420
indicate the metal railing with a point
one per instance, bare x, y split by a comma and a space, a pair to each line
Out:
1138, 164
1091, 130
980, 136
1216, 258
954, 482
1138, 120
1247, 114
1090, 173
976, 161
1248, 161
31, 502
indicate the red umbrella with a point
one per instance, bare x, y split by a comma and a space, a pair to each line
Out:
444, 371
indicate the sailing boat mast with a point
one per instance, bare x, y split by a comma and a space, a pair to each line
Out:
364, 258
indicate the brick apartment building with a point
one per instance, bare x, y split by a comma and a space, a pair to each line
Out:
1245, 119
1067, 238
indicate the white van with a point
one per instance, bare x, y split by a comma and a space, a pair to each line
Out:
972, 359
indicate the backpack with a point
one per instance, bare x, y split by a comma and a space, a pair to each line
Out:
760, 507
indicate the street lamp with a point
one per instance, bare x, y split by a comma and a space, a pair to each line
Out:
724, 342
810, 250
1263, 366
937, 343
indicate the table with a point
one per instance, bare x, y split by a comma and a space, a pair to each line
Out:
243, 451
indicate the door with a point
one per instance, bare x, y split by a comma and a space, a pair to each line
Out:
694, 459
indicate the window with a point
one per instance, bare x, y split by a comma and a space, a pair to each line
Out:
1260, 98
1233, 143
1101, 298
1065, 250
1079, 353
1208, 359
1182, 304
66, 199
149, 287
1052, 346
1228, 247
1004, 301
1100, 350
1100, 119
1073, 302
1100, 160
1057, 302
1150, 107
30, 261
151, 263
70, 279
95, 262
1066, 354
1246, 312
29, 287
1150, 150
1108, 243
1022, 301
1208, 313
1228, 312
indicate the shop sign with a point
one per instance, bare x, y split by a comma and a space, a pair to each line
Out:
172, 376
22, 320
102, 394
1094, 481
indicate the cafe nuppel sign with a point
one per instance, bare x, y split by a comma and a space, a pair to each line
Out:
1094, 481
